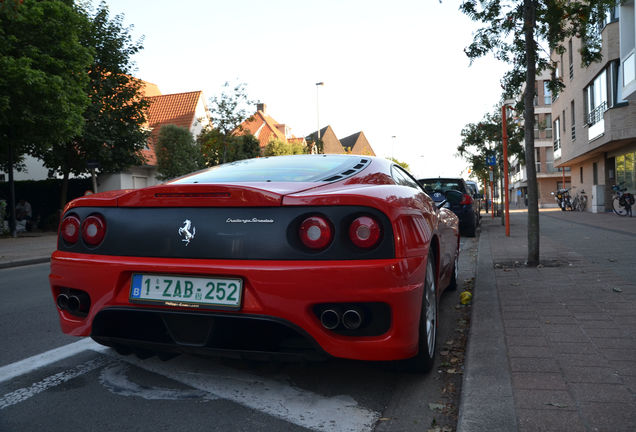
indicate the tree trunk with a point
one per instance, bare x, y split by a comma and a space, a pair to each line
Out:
12, 221
64, 192
529, 18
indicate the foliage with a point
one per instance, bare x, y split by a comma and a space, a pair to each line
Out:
484, 139
278, 147
230, 108
177, 152
42, 75
513, 31
213, 146
113, 135
402, 164
504, 35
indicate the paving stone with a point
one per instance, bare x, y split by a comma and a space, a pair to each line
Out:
591, 374
523, 331
596, 392
544, 400
615, 417
570, 360
533, 420
538, 381
614, 343
530, 351
533, 364
521, 323
538, 341
573, 347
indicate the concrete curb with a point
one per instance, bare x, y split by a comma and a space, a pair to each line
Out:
23, 262
486, 398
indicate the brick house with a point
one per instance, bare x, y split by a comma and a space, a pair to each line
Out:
187, 110
594, 117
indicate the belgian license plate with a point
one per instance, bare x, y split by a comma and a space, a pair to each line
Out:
186, 291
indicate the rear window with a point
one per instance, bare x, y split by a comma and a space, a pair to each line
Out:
299, 168
442, 185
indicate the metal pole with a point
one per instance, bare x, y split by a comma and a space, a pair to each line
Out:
318, 84
492, 195
505, 168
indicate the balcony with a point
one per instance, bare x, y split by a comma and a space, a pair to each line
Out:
595, 123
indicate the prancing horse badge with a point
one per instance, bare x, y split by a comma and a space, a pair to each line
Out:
185, 232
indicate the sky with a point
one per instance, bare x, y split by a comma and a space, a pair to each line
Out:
395, 70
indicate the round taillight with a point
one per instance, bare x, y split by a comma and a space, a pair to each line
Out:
315, 232
365, 232
93, 230
70, 229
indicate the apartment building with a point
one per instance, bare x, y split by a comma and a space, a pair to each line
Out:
549, 177
594, 117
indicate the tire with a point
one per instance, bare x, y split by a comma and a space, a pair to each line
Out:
618, 208
427, 335
453, 283
471, 230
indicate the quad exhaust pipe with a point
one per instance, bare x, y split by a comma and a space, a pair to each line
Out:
75, 302
351, 319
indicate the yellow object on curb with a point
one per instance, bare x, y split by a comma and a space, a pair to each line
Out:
465, 297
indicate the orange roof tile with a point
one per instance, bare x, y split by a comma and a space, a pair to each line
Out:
177, 109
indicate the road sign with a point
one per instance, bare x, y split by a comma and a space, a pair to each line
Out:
491, 160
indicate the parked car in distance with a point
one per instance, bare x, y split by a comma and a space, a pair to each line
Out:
477, 196
290, 256
464, 208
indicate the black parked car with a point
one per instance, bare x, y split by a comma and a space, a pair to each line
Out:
463, 206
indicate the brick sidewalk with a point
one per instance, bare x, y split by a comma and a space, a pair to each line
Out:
568, 327
27, 248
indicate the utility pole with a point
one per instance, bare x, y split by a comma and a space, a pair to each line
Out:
318, 85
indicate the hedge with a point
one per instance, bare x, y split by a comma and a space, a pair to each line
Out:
44, 197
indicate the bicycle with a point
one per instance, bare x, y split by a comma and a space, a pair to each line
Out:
622, 201
580, 201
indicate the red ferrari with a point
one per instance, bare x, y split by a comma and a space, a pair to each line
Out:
309, 255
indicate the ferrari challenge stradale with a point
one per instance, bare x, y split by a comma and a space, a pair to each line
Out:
310, 256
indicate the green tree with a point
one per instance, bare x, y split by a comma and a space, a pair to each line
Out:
228, 110
402, 164
513, 31
177, 152
278, 147
213, 147
484, 139
42, 79
113, 136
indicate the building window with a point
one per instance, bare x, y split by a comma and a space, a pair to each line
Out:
548, 125
537, 158
571, 59
581, 174
547, 95
557, 138
626, 170
573, 121
536, 126
596, 102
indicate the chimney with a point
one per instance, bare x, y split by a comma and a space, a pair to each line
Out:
261, 107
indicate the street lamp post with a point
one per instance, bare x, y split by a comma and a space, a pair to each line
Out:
318, 85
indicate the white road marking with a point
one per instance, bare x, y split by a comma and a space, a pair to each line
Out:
278, 399
22, 394
115, 378
30, 364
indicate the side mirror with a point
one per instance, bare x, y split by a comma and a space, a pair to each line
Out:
552, 193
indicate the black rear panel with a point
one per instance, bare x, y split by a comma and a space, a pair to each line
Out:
227, 233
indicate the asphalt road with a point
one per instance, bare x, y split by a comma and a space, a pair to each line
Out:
83, 386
